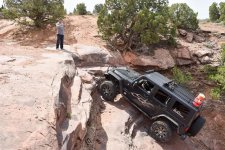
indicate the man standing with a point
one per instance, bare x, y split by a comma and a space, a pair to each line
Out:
60, 34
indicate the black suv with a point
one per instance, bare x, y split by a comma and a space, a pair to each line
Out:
168, 104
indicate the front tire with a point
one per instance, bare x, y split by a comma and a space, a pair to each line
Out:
108, 90
161, 131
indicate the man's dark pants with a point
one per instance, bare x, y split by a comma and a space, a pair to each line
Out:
60, 39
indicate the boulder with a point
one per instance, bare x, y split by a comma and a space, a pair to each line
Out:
183, 53
161, 59
199, 39
95, 56
205, 60
190, 37
202, 52
182, 56
182, 32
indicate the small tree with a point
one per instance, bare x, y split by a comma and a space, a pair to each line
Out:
214, 13
183, 16
65, 11
97, 8
37, 13
1, 8
74, 11
222, 11
135, 22
80, 9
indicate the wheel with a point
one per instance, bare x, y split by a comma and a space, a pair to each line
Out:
196, 126
108, 90
161, 131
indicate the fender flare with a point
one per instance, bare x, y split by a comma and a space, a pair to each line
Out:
168, 118
110, 73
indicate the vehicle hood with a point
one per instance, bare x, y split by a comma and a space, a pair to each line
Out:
126, 73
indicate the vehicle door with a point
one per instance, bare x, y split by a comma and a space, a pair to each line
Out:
140, 93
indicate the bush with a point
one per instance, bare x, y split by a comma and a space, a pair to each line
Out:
37, 13
215, 93
1, 8
219, 79
181, 77
97, 8
223, 55
80, 9
135, 22
214, 13
183, 16
222, 11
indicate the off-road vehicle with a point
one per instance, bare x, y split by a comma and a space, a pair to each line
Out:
169, 105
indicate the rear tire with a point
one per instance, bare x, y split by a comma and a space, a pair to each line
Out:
161, 131
196, 126
108, 90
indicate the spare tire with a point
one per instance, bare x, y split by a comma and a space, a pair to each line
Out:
196, 126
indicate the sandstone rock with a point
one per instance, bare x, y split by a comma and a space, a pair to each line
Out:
210, 44
182, 32
182, 56
183, 53
182, 62
199, 39
161, 59
95, 56
205, 60
202, 52
190, 37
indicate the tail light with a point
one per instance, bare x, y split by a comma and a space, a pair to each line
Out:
199, 100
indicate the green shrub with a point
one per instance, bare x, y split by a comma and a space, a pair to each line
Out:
219, 79
98, 8
181, 77
183, 16
37, 13
80, 9
223, 54
209, 70
222, 11
214, 13
216, 93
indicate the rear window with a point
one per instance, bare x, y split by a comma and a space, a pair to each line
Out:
180, 110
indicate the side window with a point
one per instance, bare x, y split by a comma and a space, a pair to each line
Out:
146, 85
162, 97
180, 109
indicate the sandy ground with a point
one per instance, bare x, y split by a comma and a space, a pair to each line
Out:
213, 27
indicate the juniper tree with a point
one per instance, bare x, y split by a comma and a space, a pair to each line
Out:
80, 9
183, 16
222, 11
37, 13
214, 13
135, 22
97, 8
